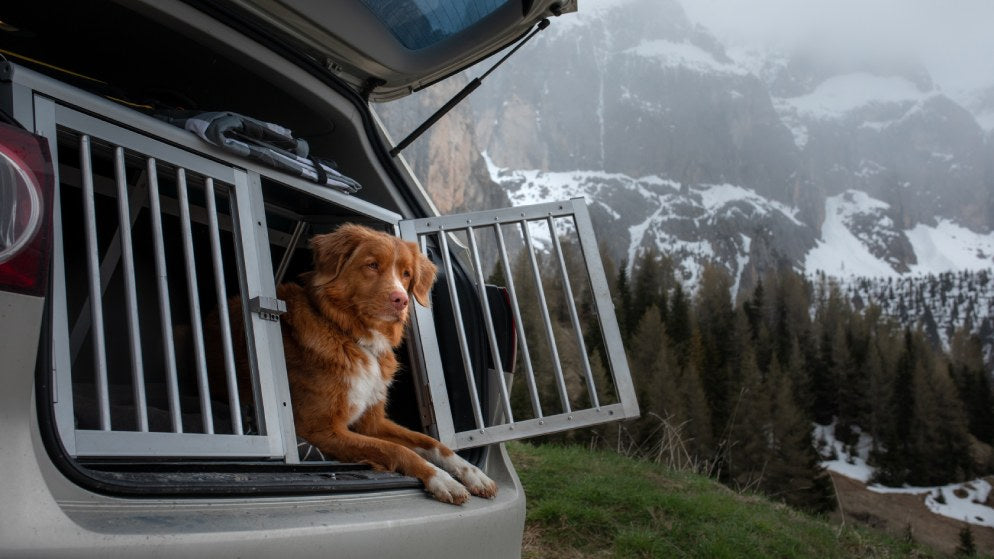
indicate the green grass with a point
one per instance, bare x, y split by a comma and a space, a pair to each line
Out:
584, 503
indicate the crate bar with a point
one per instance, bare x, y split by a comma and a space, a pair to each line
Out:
519, 324
130, 291
460, 329
191, 285
298, 232
93, 266
489, 324
222, 305
574, 317
537, 426
546, 319
605, 308
107, 264
162, 282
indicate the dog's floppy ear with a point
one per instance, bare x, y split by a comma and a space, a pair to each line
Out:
331, 251
424, 276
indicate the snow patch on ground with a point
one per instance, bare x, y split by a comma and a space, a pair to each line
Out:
836, 457
960, 501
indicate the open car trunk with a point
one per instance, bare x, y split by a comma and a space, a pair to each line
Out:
156, 229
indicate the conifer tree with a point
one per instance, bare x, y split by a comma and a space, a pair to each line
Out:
852, 409
623, 301
653, 371
716, 321
967, 546
794, 474
925, 440
646, 283
940, 445
894, 455
826, 368
973, 383
791, 315
754, 307
697, 414
747, 452
678, 323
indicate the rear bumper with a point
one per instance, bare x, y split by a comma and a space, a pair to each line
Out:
400, 524
45, 514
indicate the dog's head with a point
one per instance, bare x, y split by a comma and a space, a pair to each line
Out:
372, 272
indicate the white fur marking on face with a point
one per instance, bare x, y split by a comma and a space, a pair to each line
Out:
397, 284
367, 386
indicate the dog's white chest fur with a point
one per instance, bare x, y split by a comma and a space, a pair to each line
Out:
367, 386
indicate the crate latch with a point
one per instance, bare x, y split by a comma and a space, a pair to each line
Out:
269, 308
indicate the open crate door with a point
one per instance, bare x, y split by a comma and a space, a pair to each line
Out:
569, 368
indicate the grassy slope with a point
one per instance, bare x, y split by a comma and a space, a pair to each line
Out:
584, 503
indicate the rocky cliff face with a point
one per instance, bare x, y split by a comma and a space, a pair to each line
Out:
447, 160
635, 90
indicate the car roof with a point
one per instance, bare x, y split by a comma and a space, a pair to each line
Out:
390, 48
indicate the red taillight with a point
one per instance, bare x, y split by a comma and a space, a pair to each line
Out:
26, 189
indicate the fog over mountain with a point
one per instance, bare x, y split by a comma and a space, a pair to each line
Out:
717, 136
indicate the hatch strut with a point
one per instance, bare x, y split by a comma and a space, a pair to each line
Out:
470, 87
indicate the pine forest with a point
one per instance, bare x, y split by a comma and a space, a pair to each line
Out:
734, 388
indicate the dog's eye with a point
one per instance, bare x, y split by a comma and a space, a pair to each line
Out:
373, 265
407, 273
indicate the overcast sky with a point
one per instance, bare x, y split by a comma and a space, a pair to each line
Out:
954, 38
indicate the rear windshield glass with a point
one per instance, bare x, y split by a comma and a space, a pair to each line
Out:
422, 23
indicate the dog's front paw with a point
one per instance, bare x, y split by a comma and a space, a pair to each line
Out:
472, 477
444, 488
476, 481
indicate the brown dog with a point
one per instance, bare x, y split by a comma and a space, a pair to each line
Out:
339, 335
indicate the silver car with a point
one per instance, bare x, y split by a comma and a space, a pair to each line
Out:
159, 157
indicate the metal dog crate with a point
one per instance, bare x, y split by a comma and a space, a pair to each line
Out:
150, 201
147, 202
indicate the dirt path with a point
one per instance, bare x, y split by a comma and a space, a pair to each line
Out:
895, 512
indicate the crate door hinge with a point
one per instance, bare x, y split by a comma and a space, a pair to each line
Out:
269, 308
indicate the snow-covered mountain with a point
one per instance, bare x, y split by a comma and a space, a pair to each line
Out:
633, 89
747, 158
746, 232
694, 225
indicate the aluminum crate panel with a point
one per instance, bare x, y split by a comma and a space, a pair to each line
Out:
569, 369
154, 241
